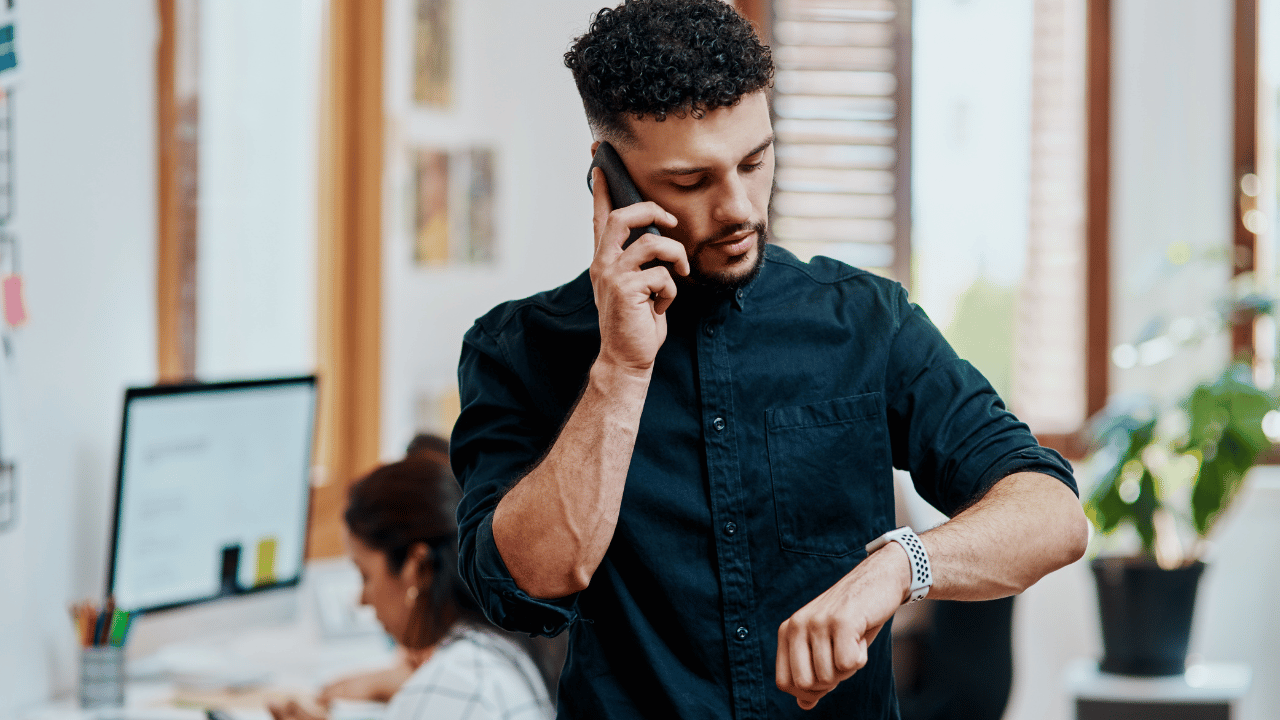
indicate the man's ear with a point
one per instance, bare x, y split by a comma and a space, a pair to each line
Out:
594, 145
417, 568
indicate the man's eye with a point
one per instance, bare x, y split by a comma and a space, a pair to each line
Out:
752, 167
689, 187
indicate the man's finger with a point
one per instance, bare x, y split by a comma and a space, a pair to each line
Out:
870, 635
782, 667
657, 247
801, 662
662, 288
820, 651
622, 221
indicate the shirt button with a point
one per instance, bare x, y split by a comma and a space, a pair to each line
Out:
742, 633
730, 528
718, 424
709, 329
739, 294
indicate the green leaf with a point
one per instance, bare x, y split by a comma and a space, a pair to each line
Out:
1219, 480
1105, 506
1143, 513
1228, 403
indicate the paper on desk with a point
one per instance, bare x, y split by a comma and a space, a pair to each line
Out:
241, 705
235, 700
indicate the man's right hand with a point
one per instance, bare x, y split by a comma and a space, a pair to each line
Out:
632, 300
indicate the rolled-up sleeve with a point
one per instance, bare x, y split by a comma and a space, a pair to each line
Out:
498, 437
948, 426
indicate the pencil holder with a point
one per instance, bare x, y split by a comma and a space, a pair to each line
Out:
102, 677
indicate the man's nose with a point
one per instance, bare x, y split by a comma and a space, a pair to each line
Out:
733, 206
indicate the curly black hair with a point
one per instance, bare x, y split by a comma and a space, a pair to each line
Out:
651, 58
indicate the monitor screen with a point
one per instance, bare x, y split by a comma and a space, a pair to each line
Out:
212, 491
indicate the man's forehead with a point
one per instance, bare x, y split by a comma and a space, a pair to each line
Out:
723, 133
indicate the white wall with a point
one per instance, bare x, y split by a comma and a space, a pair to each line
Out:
1235, 621
514, 94
259, 115
85, 215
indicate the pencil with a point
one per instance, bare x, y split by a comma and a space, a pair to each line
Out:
119, 628
88, 621
77, 617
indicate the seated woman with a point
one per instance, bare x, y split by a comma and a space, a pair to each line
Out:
402, 536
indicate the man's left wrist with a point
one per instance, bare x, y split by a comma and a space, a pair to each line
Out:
918, 578
898, 565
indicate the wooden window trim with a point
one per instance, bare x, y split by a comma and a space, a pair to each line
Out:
1097, 226
1098, 71
760, 13
177, 143
1244, 158
349, 262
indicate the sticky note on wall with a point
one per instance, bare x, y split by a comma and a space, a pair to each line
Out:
8, 54
15, 311
266, 565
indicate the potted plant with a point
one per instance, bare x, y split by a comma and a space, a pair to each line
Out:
1169, 475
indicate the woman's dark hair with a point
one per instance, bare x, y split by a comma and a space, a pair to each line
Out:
649, 58
415, 500
408, 502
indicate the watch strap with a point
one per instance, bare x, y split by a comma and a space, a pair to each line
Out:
921, 574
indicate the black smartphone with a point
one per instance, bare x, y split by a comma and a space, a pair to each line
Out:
622, 191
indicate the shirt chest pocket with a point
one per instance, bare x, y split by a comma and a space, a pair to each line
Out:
831, 470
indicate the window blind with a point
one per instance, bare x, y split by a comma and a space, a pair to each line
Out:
842, 121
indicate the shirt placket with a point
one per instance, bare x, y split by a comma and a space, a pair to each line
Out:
727, 517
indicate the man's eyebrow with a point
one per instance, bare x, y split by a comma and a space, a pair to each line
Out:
680, 171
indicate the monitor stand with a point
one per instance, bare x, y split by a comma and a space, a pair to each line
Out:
206, 621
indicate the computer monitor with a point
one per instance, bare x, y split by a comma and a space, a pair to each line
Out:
212, 491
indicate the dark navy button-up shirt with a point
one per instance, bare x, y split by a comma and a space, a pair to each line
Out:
762, 468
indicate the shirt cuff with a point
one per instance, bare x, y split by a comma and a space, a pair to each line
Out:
505, 604
1037, 460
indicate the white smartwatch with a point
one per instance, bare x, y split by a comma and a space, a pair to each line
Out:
921, 575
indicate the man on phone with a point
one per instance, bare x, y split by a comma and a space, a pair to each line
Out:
689, 465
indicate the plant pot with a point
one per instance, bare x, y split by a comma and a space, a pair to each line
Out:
1146, 615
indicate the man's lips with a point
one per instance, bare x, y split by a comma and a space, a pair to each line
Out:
737, 243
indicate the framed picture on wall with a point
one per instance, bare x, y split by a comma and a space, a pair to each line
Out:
481, 233
454, 210
431, 207
433, 53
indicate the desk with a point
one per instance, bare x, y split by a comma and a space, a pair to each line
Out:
1204, 692
275, 645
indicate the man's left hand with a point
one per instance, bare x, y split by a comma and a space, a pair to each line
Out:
825, 642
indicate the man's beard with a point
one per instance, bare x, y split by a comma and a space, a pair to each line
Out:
726, 279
